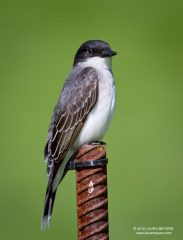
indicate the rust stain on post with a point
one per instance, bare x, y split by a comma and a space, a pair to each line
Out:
91, 188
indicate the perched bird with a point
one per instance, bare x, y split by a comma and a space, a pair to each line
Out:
81, 115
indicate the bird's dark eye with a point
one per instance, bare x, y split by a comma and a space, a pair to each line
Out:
89, 51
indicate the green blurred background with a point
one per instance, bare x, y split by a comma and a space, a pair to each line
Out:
145, 140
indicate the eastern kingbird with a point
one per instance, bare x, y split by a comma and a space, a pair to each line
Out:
81, 115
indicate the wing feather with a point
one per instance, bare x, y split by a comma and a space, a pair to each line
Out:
78, 98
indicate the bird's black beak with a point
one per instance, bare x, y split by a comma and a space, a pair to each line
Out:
108, 53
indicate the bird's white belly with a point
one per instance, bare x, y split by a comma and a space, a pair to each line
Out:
98, 119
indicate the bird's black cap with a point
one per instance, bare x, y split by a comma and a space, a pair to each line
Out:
93, 48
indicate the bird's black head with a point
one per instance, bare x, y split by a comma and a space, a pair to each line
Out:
93, 48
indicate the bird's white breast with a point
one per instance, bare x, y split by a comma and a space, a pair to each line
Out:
100, 116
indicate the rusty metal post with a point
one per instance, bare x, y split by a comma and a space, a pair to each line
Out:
91, 189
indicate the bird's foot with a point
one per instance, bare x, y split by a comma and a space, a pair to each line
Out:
98, 143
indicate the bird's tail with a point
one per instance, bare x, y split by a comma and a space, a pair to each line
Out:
48, 207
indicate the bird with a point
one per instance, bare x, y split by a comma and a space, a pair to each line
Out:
82, 114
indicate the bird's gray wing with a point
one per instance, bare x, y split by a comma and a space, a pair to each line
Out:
78, 97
